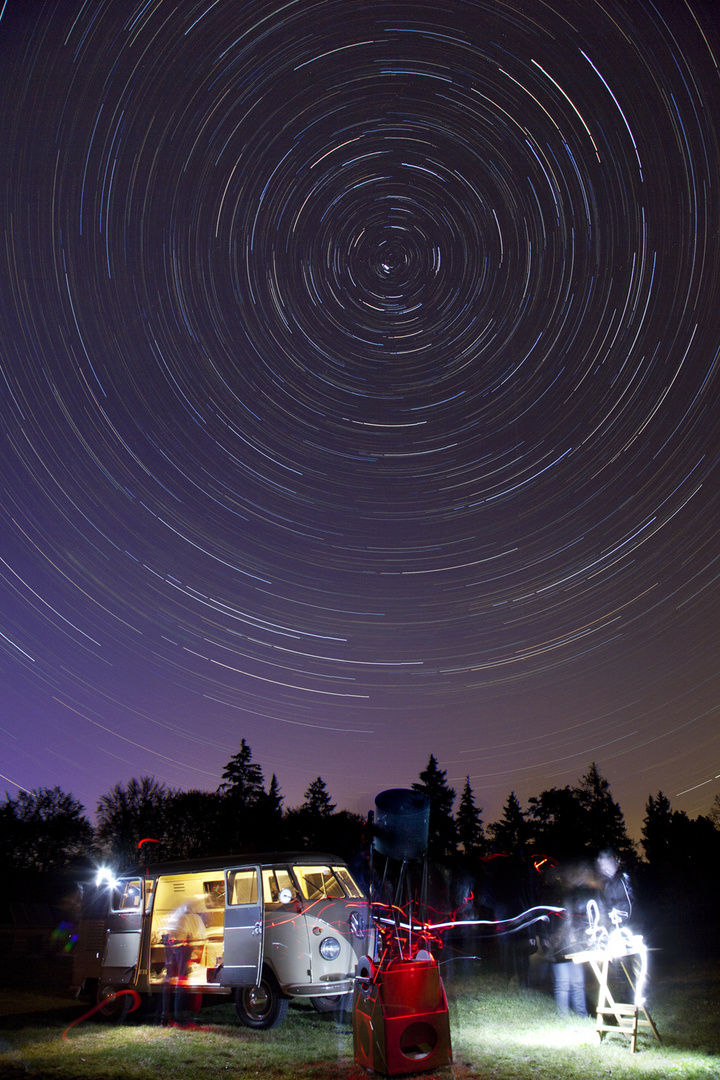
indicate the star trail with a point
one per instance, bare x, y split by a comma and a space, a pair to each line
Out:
359, 395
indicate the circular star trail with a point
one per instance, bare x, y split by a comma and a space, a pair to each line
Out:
359, 394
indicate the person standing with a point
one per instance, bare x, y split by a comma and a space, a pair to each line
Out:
567, 936
614, 895
183, 929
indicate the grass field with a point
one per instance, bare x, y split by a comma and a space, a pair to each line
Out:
498, 1033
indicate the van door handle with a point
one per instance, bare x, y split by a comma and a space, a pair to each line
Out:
257, 928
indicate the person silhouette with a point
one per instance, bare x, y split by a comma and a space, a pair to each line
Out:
181, 932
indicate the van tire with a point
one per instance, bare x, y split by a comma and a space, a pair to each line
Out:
113, 1010
338, 1004
261, 1007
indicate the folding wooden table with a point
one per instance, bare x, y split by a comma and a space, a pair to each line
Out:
614, 1016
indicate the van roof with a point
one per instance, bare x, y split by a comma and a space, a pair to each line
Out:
225, 862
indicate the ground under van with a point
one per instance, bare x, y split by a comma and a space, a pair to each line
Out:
277, 927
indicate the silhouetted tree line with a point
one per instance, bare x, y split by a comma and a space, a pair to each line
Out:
46, 832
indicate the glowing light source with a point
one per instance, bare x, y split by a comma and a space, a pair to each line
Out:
617, 943
105, 876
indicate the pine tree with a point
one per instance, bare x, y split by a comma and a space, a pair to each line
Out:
510, 834
267, 819
442, 840
557, 822
657, 829
317, 800
243, 779
605, 823
274, 800
243, 795
469, 823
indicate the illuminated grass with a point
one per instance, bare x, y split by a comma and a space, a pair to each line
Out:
517, 1035
497, 1034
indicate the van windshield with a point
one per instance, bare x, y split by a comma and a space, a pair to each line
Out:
325, 882
351, 888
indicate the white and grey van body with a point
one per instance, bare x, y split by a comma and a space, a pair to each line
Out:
277, 926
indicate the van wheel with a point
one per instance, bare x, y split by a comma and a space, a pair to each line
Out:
113, 1007
261, 1007
338, 1004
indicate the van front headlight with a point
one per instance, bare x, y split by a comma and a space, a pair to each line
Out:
329, 948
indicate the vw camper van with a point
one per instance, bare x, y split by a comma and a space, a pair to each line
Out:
276, 927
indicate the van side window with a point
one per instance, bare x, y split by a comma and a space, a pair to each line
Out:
274, 881
127, 895
285, 881
242, 887
318, 883
214, 894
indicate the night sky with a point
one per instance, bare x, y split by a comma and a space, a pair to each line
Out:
360, 372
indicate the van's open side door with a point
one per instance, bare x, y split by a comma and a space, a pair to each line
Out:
122, 936
243, 939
